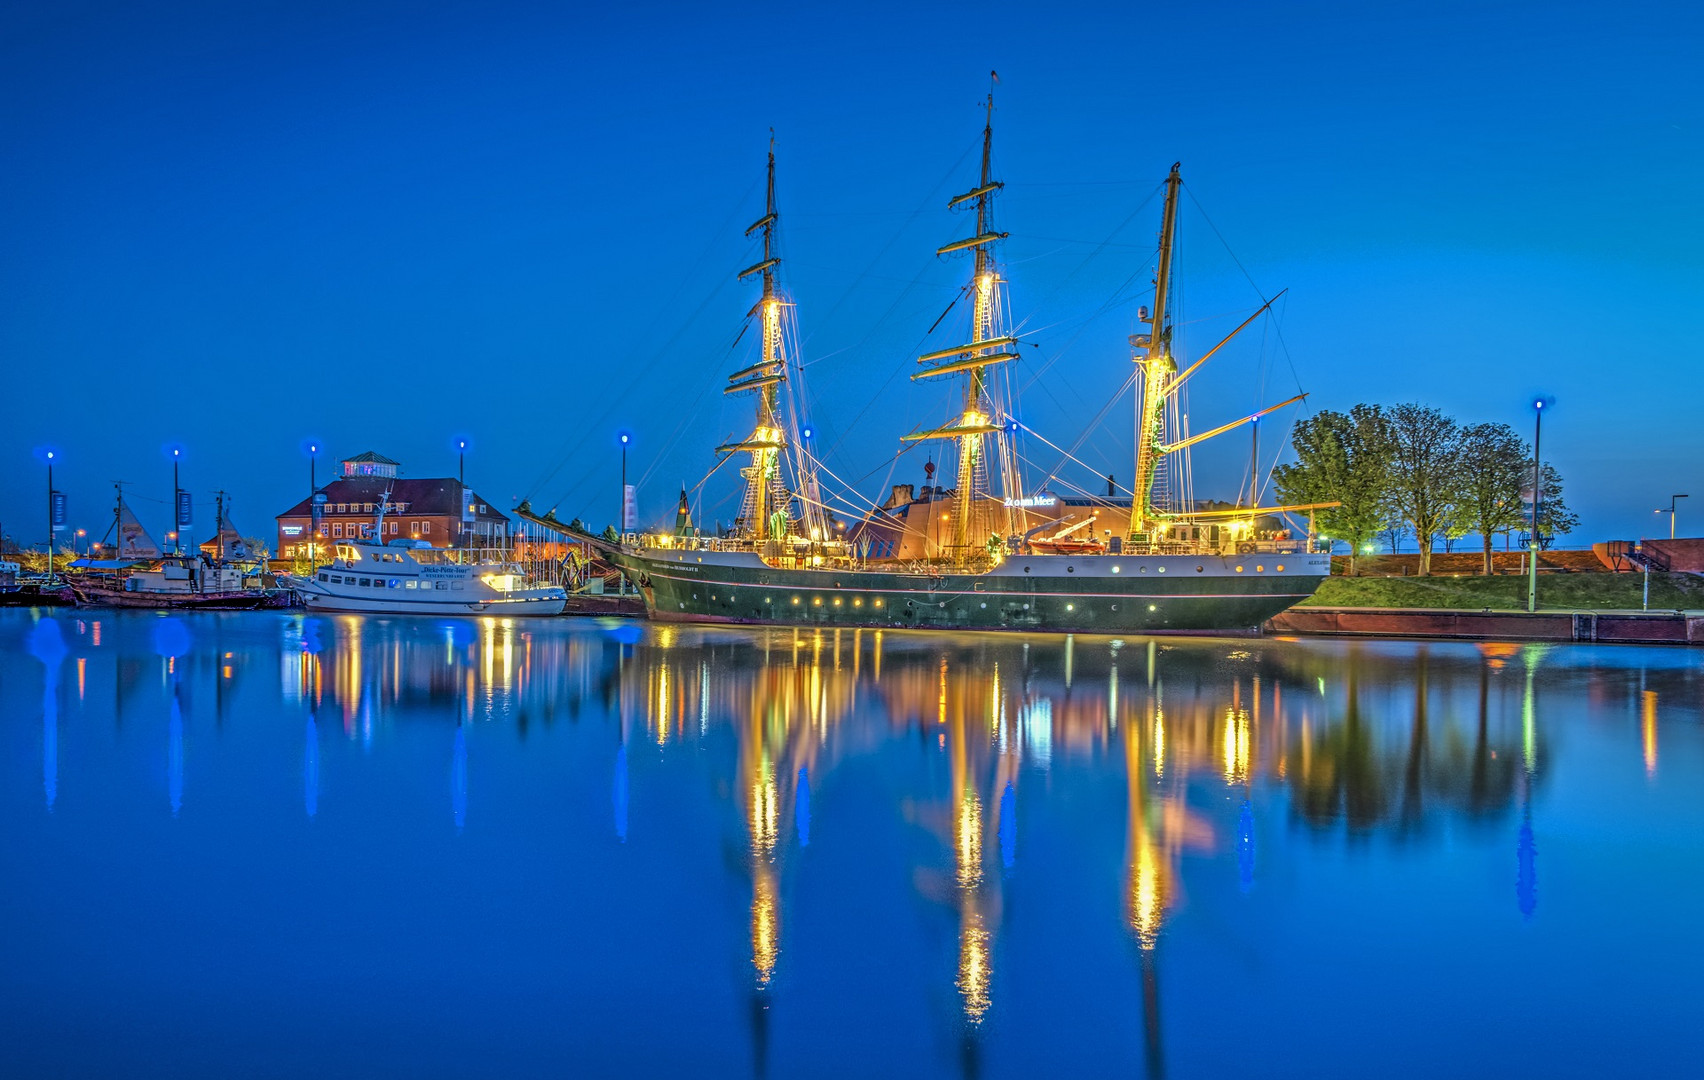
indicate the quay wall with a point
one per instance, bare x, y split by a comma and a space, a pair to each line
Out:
1611, 627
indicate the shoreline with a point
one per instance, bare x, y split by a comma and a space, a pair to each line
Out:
1619, 627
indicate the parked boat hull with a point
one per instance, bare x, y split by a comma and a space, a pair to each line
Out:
246, 600
1168, 594
360, 605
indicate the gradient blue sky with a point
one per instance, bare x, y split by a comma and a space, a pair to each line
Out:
235, 227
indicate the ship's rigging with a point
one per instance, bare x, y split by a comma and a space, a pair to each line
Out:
982, 516
781, 499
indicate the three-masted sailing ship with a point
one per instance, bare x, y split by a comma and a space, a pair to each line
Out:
972, 556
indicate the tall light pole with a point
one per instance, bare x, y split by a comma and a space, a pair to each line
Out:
625, 439
313, 462
50, 515
177, 503
1673, 499
461, 462
1537, 498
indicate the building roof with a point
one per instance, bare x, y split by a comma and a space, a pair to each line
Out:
437, 496
371, 458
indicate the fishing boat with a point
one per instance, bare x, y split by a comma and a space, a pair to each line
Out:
981, 554
142, 575
411, 577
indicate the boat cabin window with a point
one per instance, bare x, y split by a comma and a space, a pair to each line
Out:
322, 577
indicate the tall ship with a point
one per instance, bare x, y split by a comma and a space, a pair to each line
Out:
980, 554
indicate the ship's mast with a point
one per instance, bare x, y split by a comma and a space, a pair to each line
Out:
1158, 367
980, 418
767, 506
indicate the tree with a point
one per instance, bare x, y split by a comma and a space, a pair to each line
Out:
1554, 517
1492, 459
1456, 526
1425, 473
1342, 458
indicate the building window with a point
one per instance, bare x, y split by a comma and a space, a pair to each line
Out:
425, 528
342, 508
414, 530
369, 507
393, 526
337, 529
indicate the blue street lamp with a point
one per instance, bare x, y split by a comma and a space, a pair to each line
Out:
622, 516
1538, 405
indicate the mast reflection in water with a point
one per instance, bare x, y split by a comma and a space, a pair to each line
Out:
853, 851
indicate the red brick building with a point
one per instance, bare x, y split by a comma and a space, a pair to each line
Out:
440, 511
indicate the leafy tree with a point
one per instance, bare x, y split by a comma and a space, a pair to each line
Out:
1425, 473
1343, 458
1456, 525
1492, 461
1554, 517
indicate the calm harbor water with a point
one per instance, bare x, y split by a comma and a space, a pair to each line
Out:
274, 845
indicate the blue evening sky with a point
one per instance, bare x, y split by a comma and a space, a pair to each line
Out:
238, 226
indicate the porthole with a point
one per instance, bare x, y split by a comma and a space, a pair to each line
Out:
1279, 568
983, 605
1143, 570
1260, 569
1239, 569
1115, 569
837, 601
795, 599
1162, 569
1026, 607
1070, 607
878, 603
1152, 607
816, 601
1070, 569
1026, 569
1200, 569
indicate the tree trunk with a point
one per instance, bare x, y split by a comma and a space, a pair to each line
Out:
1487, 556
1425, 543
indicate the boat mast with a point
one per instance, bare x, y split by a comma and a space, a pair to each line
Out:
980, 417
767, 510
1158, 367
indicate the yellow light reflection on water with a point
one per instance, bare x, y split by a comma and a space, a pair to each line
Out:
1235, 746
1648, 729
765, 925
975, 967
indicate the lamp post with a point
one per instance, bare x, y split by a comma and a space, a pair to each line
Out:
622, 517
50, 516
1673, 499
177, 508
1537, 498
313, 462
461, 462
76, 545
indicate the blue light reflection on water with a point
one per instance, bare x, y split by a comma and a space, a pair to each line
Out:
1470, 859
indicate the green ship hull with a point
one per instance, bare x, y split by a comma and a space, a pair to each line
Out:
1051, 593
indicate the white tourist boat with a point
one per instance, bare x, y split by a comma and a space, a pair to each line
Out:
411, 577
